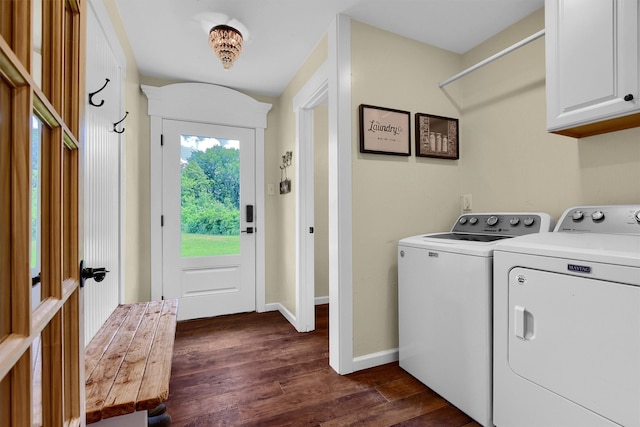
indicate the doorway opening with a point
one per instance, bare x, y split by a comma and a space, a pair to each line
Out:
314, 94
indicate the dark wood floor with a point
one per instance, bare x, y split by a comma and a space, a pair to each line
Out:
254, 369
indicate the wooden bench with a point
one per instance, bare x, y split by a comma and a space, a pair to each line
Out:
128, 362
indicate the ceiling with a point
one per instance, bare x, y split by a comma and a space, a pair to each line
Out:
170, 37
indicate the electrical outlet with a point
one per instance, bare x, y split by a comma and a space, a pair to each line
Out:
466, 203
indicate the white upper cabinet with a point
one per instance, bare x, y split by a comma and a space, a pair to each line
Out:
593, 66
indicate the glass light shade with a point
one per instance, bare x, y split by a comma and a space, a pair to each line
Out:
226, 42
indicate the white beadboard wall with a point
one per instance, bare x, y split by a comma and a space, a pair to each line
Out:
102, 177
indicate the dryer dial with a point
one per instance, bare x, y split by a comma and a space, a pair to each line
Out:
473, 220
597, 216
577, 216
514, 221
637, 217
528, 222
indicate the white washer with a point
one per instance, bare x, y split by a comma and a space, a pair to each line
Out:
444, 305
567, 322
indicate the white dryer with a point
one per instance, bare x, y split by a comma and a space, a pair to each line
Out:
444, 305
567, 322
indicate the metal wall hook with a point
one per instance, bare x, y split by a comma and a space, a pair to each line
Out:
118, 122
92, 94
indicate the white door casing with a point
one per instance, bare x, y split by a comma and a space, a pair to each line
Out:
193, 102
206, 285
313, 94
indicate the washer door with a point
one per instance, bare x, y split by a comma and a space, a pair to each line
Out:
579, 338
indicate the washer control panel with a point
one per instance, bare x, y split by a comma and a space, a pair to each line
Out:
607, 219
504, 224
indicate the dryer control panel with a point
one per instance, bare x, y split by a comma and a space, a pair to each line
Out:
606, 219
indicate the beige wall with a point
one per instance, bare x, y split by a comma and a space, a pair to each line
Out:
280, 221
510, 162
321, 199
507, 159
394, 197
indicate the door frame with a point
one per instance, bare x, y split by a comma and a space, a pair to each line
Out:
313, 94
192, 102
332, 83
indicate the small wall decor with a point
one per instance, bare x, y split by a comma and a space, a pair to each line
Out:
437, 136
385, 131
285, 183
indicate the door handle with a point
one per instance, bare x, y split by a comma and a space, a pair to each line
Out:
524, 326
97, 274
249, 230
249, 213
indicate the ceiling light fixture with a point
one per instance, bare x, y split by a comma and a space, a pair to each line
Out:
226, 42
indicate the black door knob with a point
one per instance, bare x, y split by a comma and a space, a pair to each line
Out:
628, 97
97, 274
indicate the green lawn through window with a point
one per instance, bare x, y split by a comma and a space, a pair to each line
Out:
194, 245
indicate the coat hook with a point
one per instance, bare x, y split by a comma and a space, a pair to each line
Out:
118, 122
92, 94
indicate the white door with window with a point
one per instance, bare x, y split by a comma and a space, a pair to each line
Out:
208, 220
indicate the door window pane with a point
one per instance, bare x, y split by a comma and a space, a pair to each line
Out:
36, 376
37, 42
36, 203
210, 196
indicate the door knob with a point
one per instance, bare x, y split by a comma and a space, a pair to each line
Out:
628, 97
98, 274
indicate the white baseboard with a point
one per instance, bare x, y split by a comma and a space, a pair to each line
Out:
322, 300
276, 306
375, 359
359, 363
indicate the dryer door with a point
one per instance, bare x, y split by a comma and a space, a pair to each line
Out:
578, 337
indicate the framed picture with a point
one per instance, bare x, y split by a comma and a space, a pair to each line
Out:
285, 186
385, 131
437, 136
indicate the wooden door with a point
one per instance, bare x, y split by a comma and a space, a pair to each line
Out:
41, 73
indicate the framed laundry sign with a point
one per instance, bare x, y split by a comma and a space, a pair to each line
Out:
437, 136
385, 131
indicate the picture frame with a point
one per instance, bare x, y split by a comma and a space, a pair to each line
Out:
437, 136
285, 186
385, 131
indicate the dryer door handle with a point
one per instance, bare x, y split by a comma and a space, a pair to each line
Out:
523, 323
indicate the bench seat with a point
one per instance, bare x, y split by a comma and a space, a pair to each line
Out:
128, 362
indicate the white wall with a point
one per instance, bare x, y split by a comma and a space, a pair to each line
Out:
137, 263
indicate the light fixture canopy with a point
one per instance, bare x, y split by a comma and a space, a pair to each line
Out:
226, 42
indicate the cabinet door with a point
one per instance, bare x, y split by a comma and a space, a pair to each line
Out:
592, 61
